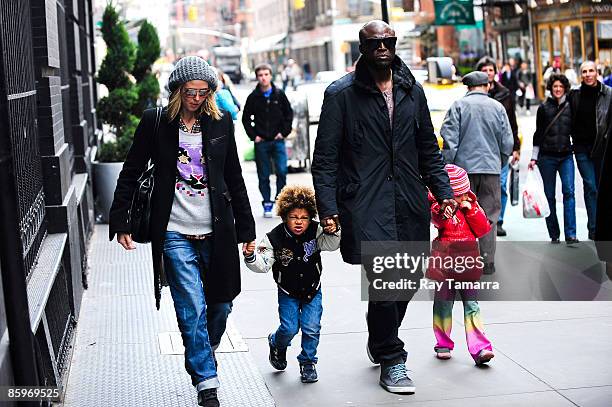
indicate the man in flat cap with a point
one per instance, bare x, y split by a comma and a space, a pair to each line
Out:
478, 138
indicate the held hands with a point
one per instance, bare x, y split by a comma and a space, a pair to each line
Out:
448, 208
330, 224
516, 156
248, 248
278, 137
125, 240
258, 139
532, 164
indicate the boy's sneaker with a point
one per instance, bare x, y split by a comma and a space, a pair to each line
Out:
394, 378
484, 356
308, 373
268, 209
208, 398
278, 357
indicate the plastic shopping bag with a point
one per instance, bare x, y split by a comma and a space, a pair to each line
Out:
535, 204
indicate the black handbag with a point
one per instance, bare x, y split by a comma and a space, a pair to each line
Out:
140, 209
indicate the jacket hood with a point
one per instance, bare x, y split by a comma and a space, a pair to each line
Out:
401, 75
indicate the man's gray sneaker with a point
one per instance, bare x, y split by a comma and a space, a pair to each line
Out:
394, 378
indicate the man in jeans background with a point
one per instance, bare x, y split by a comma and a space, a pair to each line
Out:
590, 104
267, 119
504, 96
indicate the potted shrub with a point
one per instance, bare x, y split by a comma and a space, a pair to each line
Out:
121, 109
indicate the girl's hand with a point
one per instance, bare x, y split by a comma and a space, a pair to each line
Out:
125, 240
466, 204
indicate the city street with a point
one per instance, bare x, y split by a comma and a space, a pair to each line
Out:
127, 353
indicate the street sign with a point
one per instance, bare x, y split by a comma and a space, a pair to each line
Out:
454, 12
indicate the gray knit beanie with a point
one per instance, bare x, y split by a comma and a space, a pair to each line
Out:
190, 69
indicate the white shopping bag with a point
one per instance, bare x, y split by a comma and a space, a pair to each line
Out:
535, 204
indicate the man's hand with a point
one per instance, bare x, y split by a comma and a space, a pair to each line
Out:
516, 156
248, 248
125, 240
330, 224
258, 139
448, 208
532, 164
278, 137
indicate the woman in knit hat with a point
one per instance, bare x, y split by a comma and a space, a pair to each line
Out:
199, 212
455, 257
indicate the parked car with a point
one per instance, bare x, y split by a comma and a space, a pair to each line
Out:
313, 92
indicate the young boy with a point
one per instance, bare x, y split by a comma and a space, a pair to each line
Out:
293, 251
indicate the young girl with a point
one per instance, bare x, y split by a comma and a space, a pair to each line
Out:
457, 238
293, 251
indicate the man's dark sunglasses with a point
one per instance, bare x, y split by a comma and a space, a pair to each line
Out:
372, 44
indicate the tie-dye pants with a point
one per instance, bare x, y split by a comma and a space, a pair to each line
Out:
443, 320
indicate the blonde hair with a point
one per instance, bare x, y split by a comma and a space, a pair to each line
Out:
209, 106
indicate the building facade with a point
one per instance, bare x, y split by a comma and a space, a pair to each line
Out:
47, 117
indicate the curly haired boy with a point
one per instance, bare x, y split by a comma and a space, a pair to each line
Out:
292, 250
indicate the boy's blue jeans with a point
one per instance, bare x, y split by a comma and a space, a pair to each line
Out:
295, 314
202, 325
264, 151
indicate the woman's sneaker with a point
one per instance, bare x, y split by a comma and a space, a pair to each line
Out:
394, 378
278, 357
208, 398
484, 356
308, 373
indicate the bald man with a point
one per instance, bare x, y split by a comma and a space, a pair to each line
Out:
374, 157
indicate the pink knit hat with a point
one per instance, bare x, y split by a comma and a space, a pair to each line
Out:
458, 179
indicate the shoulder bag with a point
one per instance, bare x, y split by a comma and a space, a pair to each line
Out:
140, 209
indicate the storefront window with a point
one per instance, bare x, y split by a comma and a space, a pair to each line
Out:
556, 41
589, 40
604, 44
513, 45
544, 48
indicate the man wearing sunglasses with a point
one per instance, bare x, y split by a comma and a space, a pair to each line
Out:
374, 156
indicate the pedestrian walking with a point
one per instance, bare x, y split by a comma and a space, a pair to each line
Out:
374, 155
525, 79
224, 98
477, 138
552, 152
267, 119
590, 104
199, 211
503, 95
292, 250
457, 238
508, 77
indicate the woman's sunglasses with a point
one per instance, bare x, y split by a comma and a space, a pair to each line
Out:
193, 92
372, 44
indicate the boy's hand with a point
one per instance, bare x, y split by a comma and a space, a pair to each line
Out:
248, 248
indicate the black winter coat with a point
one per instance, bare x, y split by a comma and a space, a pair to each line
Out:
557, 139
603, 228
374, 175
231, 212
266, 117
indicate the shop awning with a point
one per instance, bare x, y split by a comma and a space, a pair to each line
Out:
271, 43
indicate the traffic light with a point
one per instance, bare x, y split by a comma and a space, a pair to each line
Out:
192, 13
299, 4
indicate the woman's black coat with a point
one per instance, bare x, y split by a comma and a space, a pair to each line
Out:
603, 228
231, 212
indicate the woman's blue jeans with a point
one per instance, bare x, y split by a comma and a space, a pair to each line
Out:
295, 315
549, 166
202, 325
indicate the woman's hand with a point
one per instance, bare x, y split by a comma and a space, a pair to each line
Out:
125, 240
532, 164
248, 248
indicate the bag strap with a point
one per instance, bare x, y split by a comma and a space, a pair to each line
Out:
554, 119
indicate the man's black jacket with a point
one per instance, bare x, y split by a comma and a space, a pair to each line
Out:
266, 117
372, 174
